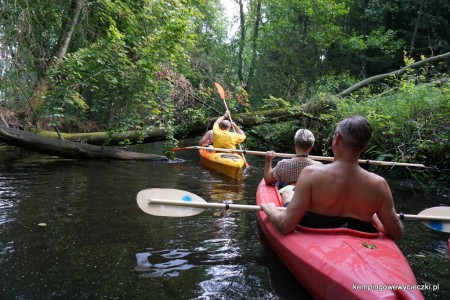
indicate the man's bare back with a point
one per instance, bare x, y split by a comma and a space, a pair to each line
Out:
341, 197
342, 188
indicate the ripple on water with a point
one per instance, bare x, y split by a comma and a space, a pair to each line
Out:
163, 263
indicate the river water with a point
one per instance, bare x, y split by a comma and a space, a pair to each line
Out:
71, 229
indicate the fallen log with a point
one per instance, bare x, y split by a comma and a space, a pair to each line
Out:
245, 121
396, 73
68, 149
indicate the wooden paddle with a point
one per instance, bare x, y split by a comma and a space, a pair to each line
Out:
179, 203
322, 158
222, 96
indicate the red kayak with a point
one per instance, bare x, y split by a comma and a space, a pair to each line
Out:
340, 263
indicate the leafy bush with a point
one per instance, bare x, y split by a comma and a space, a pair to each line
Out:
410, 125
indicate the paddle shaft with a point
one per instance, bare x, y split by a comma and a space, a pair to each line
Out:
243, 207
205, 205
423, 218
322, 158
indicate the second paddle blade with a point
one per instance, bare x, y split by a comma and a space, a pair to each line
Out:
144, 201
442, 212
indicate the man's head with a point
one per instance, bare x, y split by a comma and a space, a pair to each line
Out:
225, 125
355, 131
304, 139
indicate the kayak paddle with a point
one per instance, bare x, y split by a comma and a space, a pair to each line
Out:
160, 202
323, 158
222, 96
179, 203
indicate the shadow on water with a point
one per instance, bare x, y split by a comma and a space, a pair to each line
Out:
71, 229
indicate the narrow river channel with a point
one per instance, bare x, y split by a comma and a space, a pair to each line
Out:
71, 229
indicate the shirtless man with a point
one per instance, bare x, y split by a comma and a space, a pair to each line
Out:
342, 188
207, 139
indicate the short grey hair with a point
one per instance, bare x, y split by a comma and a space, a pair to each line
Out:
304, 138
225, 124
355, 131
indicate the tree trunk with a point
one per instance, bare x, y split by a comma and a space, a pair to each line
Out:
416, 27
69, 24
251, 72
397, 73
241, 43
69, 27
83, 145
68, 149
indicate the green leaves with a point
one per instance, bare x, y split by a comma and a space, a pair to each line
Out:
410, 124
113, 79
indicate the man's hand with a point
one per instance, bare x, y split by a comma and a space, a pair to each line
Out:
270, 155
268, 208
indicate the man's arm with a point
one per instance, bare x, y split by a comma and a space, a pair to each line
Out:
386, 215
287, 220
237, 129
220, 119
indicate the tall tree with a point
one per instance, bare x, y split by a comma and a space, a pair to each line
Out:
68, 28
416, 27
29, 40
256, 26
241, 43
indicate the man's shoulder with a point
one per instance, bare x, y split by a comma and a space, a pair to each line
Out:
377, 178
316, 165
314, 169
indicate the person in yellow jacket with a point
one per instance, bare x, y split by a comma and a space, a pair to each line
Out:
223, 137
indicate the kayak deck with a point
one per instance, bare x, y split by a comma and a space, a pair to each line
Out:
340, 263
228, 164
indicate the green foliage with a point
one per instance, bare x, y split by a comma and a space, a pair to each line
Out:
29, 32
274, 103
386, 41
278, 137
115, 80
292, 44
331, 83
410, 125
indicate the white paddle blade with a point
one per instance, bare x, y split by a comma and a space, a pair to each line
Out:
144, 201
442, 212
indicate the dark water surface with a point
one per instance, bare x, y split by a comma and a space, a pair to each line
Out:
98, 244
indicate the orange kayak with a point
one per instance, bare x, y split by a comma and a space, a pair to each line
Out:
229, 164
340, 263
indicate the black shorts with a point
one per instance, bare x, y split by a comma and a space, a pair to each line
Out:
314, 220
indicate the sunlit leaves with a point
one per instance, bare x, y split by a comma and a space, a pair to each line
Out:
115, 75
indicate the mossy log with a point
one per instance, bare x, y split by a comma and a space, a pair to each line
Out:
244, 120
69, 149
91, 145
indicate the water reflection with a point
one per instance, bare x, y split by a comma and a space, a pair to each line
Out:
221, 249
220, 187
162, 263
8, 199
